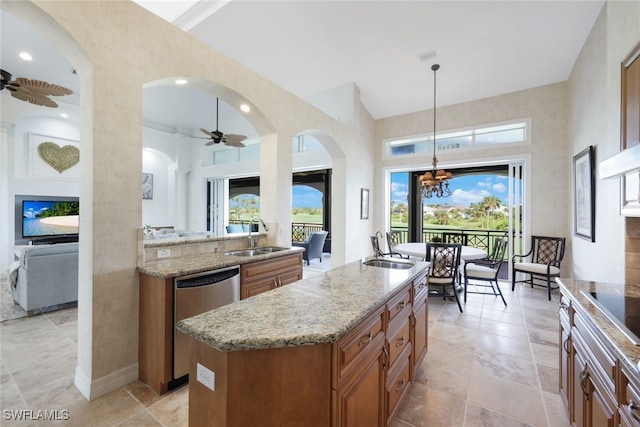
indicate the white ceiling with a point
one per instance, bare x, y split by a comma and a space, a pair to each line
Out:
485, 48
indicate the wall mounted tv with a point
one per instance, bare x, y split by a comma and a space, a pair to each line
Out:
50, 219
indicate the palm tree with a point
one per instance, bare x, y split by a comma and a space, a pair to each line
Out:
489, 204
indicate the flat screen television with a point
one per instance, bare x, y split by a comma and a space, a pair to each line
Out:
49, 219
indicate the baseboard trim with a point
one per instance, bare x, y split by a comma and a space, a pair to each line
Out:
93, 389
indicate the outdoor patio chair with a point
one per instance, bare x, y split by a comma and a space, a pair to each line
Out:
313, 245
545, 256
485, 270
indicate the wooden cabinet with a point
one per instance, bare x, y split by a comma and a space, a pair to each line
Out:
359, 360
629, 408
565, 365
419, 322
155, 337
588, 371
262, 276
364, 375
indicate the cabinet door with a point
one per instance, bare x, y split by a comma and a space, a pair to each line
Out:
419, 338
256, 287
360, 401
565, 369
579, 387
599, 411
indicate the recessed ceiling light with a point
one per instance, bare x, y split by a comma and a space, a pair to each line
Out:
245, 108
64, 115
26, 56
181, 81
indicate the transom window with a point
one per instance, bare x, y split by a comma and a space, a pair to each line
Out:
505, 133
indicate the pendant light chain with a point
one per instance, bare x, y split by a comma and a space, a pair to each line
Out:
436, 182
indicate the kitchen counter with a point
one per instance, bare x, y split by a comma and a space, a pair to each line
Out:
316, 310
196, 263
617, 343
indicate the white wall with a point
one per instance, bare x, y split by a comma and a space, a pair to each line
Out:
594, 99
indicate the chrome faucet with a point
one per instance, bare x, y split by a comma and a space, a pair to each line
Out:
252, 244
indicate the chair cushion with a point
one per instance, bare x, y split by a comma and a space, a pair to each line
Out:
441, 280
532, 267
479, 271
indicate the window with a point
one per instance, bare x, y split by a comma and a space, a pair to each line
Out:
508, 133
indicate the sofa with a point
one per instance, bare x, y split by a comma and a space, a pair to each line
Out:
47, 275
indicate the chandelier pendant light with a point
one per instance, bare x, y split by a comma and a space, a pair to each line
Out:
436, 181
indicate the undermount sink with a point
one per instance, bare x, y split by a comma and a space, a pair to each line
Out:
256, 251
386, 263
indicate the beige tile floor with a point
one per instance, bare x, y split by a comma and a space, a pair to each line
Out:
491, 366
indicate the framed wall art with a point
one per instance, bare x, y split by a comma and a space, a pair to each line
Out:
584, 195
364, 203
147, 186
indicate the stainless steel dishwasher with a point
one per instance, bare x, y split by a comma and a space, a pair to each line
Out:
195, 294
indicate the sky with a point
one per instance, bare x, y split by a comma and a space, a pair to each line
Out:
466, 189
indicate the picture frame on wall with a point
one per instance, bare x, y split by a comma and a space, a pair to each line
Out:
147, 186
584, 203
364, 203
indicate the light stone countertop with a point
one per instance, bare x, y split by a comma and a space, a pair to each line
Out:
616, 342
180, 266
316, 310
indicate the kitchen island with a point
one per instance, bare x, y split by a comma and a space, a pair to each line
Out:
334, 349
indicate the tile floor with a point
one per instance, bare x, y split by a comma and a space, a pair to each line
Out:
491, 366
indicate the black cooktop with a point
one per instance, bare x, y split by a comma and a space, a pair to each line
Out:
623, 311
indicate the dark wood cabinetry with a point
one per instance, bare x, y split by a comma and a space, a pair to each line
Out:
593, 383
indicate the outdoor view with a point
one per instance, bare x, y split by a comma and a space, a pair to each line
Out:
477, 202
306, 201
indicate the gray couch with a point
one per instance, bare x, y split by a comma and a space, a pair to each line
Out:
47, 276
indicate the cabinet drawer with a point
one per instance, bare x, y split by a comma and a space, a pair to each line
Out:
630, 399
399, 338
398, 381
396, 305
420, 289
354, 347
604, 362
269, 267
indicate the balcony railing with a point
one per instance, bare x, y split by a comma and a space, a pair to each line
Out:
482, 239
301, 230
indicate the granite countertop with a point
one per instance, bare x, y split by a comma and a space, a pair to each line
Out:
617, 343
180, 266
316, 310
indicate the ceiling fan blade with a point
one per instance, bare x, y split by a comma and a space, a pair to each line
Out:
206, 132
234, 140
41, 87
33, 98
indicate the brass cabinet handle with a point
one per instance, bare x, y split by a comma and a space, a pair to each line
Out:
401, 386
565, 345
275, 282
584, 375
366, 340
386, 356
400, 306
632, 409
400, 342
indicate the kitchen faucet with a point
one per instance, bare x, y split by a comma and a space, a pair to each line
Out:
252, 244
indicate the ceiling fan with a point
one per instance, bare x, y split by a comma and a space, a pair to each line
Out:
217, 136
33, 91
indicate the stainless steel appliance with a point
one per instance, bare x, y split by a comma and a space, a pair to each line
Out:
195, 294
